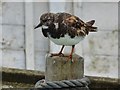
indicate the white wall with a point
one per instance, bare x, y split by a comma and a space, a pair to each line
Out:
41, 43
100, 49
13, 43
17, 51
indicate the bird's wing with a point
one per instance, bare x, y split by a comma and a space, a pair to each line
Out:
67, 23
76, 27
58, 29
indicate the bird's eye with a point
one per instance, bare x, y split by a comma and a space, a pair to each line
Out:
44, 20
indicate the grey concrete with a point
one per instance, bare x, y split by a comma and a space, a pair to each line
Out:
61, 68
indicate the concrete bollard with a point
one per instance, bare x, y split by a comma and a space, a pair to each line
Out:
58, 68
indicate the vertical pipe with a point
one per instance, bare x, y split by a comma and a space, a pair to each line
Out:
29, 36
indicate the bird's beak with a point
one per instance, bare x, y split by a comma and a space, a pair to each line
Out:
39, 25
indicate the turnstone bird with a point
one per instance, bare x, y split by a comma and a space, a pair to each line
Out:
65, 29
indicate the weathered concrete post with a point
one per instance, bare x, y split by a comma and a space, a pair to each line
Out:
58, 68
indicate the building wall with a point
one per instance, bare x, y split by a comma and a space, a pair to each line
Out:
100, 49
25, 48
13, 39
14, 48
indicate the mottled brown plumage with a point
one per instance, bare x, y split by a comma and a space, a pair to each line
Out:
64, 28
67, 23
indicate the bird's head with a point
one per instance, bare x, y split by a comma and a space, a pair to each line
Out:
46, 20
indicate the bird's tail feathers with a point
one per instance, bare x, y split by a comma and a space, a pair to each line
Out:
90, 27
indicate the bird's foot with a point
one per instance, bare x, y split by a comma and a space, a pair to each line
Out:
57, 54
70, 58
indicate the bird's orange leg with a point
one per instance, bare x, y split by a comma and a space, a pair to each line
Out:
70, 56
60, 53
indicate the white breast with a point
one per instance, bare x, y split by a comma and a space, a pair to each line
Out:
66, 40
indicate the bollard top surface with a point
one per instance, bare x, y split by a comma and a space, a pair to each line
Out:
65, 57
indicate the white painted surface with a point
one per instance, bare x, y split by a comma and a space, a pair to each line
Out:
0, 37
101, 65
13, 13
105, 14
100, 49
41, 43
18, 36
40, 60
13, 37
101, 43
13, 58
29, 36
